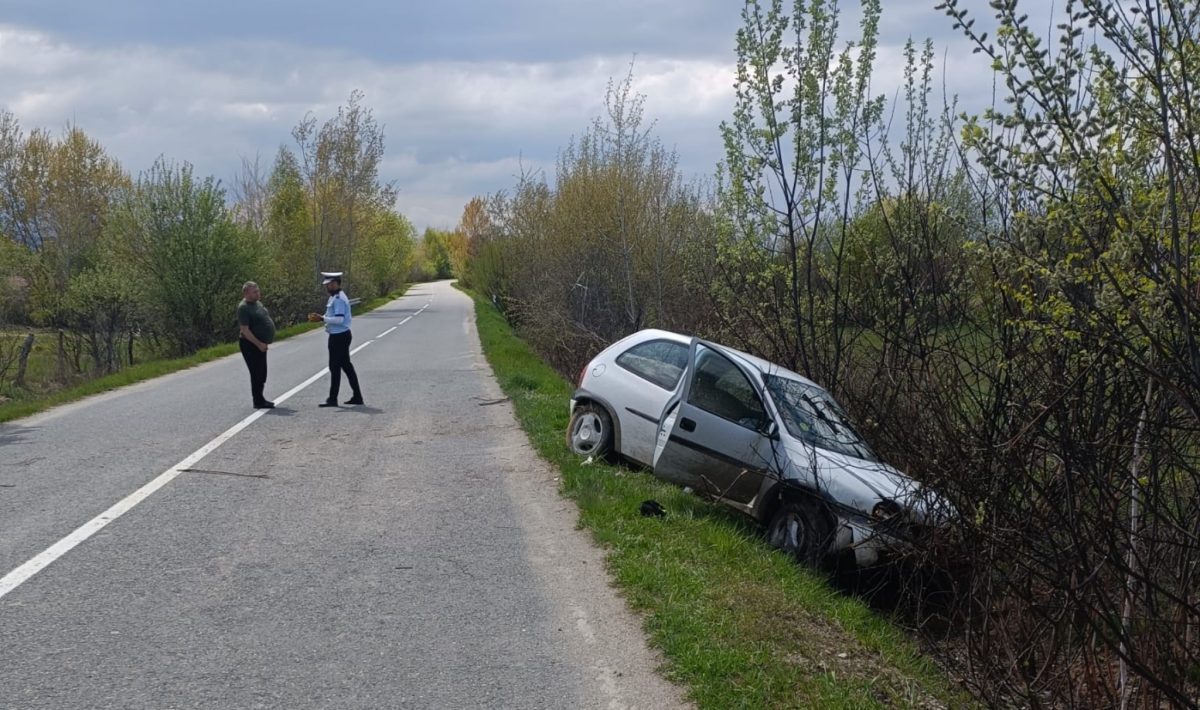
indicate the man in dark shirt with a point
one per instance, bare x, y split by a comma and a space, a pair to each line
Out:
257, 332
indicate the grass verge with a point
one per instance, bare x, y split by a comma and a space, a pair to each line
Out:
739, 624
21, 408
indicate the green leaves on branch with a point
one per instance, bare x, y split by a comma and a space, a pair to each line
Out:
179, 234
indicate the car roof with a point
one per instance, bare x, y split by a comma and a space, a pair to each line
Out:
765, 367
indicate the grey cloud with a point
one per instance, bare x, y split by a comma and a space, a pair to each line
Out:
212, 108
517, 30
464, 90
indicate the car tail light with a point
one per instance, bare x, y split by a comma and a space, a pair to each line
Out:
582, 372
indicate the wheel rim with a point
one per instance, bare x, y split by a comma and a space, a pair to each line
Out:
789, 533
588, 433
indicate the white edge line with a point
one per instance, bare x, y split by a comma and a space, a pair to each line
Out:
21, 574
386, 332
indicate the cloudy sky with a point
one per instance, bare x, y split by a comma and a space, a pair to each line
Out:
468, 91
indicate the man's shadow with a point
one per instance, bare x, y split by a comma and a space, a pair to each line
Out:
361, 409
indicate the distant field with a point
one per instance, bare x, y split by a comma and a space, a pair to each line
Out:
41, 375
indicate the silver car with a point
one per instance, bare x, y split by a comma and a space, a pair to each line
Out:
754, 435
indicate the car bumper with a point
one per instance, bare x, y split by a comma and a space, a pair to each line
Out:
868, 542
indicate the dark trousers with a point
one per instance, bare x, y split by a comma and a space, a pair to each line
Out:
339, 361
256, 363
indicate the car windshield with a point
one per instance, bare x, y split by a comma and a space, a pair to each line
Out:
811, 415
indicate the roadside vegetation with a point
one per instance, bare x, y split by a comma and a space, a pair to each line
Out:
45, 392
1005, 299
107, 278
739, 624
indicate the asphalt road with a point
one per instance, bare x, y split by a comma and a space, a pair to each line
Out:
410, 553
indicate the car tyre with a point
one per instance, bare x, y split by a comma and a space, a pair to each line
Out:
590, 432
799, 527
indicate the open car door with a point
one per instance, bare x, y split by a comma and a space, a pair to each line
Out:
717, 434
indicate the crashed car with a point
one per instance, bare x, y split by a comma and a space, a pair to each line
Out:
753, 435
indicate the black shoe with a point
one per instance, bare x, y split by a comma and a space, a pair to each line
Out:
355, 401
328, 403
265, 405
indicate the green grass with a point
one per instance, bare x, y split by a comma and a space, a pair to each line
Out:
20, 408
739, 624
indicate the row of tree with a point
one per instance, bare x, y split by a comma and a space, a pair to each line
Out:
116, 267
1007, 304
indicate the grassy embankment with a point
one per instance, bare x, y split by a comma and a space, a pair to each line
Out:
738, 623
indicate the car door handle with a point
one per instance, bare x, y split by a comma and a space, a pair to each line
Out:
687, 424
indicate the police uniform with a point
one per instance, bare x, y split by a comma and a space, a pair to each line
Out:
337, 324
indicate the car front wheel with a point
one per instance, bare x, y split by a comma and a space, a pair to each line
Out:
798, 528
590, 432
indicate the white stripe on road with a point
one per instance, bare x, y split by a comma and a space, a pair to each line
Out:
15, 578
21, 574
360, 347
414, 315
389, 330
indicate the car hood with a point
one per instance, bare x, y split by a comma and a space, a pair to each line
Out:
856, 483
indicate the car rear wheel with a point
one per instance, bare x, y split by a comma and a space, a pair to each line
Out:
799, 528
590, 432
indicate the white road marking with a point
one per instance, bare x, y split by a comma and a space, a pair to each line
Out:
389, 330
422, 310
14, 579
21, 574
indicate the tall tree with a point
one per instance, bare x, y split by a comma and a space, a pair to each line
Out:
1095, 158
339, 162
289, 279
54, 197
178, 233
794, 154
386, 253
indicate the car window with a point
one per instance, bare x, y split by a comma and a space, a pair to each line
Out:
811, 415
662, 362
719, 387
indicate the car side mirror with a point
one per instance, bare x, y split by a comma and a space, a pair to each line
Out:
769, 429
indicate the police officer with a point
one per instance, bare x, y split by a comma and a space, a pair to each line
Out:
337, 324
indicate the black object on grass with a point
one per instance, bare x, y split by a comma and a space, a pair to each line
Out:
653, 508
